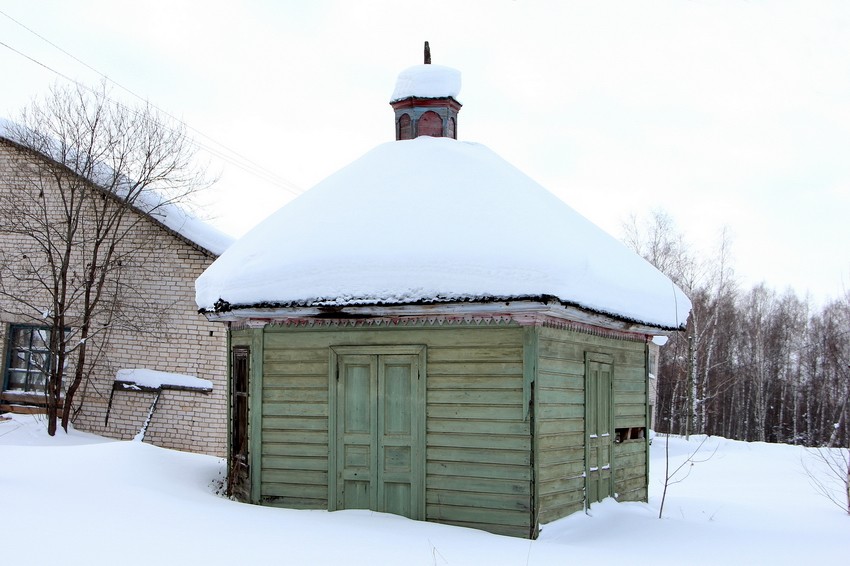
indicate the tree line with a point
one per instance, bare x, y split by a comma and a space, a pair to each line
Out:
753, 364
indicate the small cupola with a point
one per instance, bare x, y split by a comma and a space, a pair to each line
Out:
425, 101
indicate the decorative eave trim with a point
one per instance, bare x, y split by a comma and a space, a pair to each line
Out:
520, 313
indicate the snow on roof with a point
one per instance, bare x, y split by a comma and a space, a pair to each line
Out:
144, 377
435, 219
427, 81
171, 216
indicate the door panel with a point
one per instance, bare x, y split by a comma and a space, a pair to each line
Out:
599, 424
396, 441
379, 442
356, 419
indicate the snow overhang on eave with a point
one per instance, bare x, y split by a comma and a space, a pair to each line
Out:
524, 311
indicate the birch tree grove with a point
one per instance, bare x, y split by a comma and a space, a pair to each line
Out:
752, 364
89, 169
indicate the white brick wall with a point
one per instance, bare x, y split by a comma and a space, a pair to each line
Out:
165, 333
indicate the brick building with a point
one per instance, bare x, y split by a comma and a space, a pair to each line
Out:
165, 333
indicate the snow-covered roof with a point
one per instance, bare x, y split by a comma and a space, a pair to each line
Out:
173, 217
427, 81
436, 220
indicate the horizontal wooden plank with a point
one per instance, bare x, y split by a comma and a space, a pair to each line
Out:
560, 396
271, 354
638, 461
463, 426
479, 455
283, 369
295, 437
550, 380
443, 513
544, 412
474, 412
476, 396
478, 485
294, 463
629, 374
636, 399
273, 409
277, 440
491, 441
562, 456
295, 502
497, 353
291, 395
474, 471
555, 426
521, 531
629, 409
632, 489
476, 368
293, 449
554, 510
454, 382
561, 366
560, 440
562, 485
292, 424
296, 477
308, 492
295, 381
561, 470
636, 446
637, 386
495, 501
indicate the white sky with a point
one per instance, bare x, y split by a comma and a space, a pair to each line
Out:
724, 113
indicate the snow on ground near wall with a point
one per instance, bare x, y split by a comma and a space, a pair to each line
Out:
132, 503
152, 378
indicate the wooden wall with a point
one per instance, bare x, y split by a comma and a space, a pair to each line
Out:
479, 442
559, 419
478, 447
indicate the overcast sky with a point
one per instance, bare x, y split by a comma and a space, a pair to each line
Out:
730, 114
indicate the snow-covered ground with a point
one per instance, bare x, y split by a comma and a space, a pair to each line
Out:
82, 499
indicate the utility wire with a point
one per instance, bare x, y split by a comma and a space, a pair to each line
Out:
228, 154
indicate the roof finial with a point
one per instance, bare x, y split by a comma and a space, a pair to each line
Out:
427, 54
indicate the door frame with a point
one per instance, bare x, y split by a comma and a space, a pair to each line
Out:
418, 471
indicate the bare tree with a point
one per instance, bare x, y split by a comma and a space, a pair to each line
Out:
90, 171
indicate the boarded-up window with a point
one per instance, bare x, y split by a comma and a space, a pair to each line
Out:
405, 131
430, 124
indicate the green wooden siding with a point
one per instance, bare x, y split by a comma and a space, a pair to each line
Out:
477, 442
483, 467
560, 413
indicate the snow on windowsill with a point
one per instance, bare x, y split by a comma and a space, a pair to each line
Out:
144, 379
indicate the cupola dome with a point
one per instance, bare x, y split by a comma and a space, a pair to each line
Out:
425, 101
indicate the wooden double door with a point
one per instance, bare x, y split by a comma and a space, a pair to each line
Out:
378, 431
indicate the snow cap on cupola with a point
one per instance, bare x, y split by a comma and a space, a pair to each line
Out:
425, 101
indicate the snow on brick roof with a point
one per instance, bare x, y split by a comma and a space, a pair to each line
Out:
171, 216
435, 219
427, 81
153, 379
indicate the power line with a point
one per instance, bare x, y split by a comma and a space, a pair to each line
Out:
228, 154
